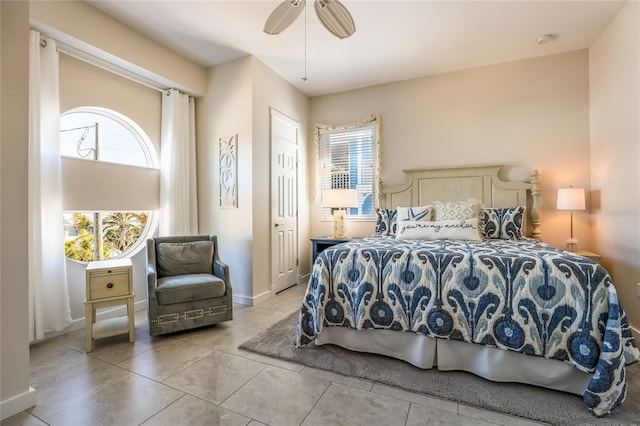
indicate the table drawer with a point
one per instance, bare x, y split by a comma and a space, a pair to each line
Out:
108, 285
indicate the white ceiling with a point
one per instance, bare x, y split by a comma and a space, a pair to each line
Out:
394, 39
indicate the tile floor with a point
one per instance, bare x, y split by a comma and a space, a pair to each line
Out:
201, 378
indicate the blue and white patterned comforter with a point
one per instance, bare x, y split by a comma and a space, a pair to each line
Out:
523, 296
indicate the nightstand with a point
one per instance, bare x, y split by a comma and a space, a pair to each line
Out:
323, 243
589, 255
109, 283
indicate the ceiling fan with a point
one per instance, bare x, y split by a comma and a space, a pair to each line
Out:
333, 15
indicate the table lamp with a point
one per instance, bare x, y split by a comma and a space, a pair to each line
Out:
571, 199
339, 199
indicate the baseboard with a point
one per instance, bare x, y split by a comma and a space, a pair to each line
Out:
251, 301
262, 297
242, 300
18, 403
303, 278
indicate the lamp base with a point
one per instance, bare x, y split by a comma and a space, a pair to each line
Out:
339, 226
572, 245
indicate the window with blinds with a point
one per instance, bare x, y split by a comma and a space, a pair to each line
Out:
348, 159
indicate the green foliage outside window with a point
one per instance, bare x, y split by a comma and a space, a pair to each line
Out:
120, 230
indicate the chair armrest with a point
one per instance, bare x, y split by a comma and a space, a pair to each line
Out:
220, 269
152, 273
152, 277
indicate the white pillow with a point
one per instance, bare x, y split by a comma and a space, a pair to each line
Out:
457, 210
466, 229
415, 213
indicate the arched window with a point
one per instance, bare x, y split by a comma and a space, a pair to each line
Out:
110, 184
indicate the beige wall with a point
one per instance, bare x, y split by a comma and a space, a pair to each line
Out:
615, 152
226, 111
83, 84
239, 96
531, 114
15, 393
80, 25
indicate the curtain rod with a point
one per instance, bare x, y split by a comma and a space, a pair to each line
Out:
107, 66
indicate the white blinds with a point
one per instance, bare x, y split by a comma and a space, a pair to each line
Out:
348, 158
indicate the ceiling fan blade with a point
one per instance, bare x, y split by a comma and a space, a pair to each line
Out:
283, 16
335, 17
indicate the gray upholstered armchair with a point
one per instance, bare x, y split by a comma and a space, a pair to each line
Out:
187, 284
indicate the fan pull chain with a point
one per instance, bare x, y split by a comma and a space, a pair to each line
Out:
305, 45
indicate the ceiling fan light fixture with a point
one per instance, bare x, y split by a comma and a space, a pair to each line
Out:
335, 17
283, 16
546, 38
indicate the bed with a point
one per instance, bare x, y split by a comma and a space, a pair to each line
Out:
504, 306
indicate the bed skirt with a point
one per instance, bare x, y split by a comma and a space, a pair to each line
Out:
491, 363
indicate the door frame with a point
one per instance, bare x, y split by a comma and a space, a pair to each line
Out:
274, 113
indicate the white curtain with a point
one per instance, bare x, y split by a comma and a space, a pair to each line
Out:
49, 308
178, 189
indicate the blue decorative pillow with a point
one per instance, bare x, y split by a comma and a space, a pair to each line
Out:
502, 224
386, 222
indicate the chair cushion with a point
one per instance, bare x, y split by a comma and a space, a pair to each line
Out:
187, 288
184, 258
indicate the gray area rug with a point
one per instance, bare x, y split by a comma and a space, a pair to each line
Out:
530, 402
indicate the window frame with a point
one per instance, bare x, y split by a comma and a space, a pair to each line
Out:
373, 122
149, 150
152, 160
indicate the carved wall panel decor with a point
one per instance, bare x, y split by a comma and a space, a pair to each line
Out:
228, 150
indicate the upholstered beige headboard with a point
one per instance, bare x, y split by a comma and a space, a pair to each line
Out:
423, 187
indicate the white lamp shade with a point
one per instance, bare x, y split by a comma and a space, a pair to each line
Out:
571, 199
339, 198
